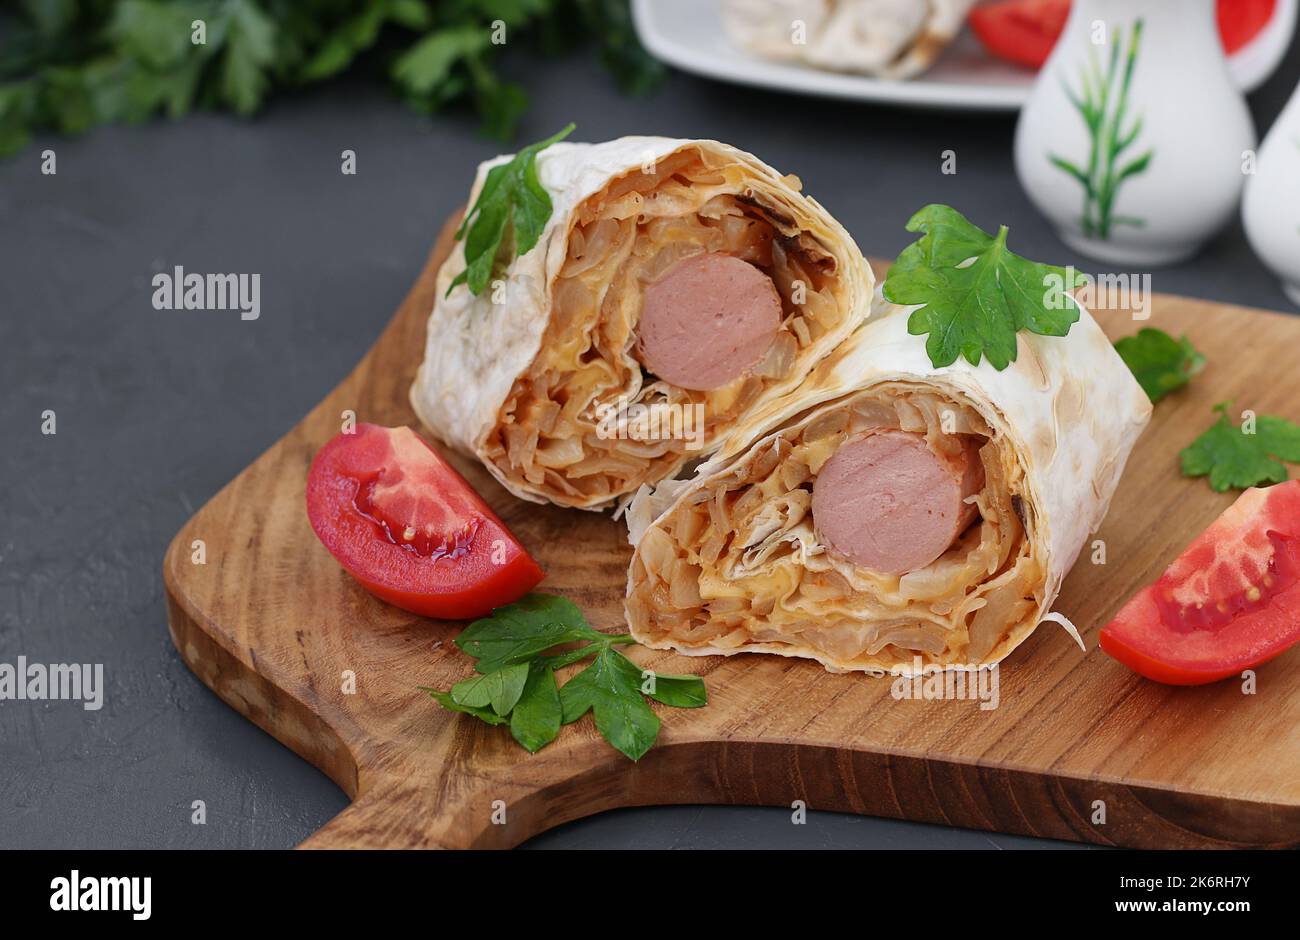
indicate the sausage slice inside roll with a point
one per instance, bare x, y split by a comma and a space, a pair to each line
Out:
678, 286
893, 514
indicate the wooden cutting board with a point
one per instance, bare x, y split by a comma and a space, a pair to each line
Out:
276, 628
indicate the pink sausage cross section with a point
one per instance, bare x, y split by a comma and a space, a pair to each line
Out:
888, 503
706, 321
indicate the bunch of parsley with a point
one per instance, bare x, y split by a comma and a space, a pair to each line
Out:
519, 650
70, 65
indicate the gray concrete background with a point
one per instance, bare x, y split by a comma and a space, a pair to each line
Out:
157, 410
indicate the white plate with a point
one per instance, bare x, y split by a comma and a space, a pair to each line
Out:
689, 35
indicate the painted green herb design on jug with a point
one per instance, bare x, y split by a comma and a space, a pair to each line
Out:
1102, 102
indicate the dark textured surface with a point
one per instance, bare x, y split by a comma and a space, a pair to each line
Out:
157, 410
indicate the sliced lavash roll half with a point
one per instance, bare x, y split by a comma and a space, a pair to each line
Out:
677, 286
894, 516
884, 38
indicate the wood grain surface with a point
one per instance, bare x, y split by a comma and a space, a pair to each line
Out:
275, 627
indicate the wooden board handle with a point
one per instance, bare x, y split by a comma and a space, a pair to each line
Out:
472, 803
387, 818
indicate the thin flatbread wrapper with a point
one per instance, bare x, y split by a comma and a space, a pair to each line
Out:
537, 377
730, 560
883, 38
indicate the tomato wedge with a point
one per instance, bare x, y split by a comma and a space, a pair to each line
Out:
1229, 602
1025, 31
410, 529
1020, 31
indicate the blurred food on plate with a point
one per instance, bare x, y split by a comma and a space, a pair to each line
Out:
887, 38
903, 38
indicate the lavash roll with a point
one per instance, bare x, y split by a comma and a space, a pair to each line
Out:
729, 561
535, 375
883, 38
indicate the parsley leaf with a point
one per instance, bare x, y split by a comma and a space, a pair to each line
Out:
500, 689
520, 631
359, 32
446, 701
1238, 457
512, 201
536, 718
155, 34
423, 71
677, 691
516, 681
975, 294
1160, 363
18, 102
249, 55
611, 688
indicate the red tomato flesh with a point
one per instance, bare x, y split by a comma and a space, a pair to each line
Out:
1020, 31
1229, 602
410, 529
1025, 31
1240, 21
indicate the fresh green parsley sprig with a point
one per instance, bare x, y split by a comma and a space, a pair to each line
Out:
1239, 456
1160, 363
974, 294
512, 208
516, 678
